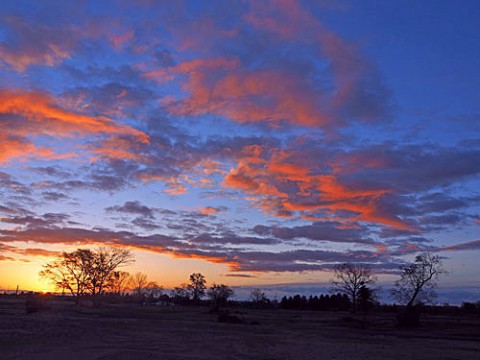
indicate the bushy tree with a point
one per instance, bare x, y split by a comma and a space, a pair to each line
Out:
197, 286
219, 295
103, 263
70, 272
349, 278
84, 271
180, 294
366, 298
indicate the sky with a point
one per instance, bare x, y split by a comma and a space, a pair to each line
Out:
260, 143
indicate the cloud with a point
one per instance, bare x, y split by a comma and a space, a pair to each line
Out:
8, 182
318, 231
132, 207
27, 114
54, 196
37, 252
42, 112
29, 44
6, 258
45, 220
269, 63
464, 246
240, 275
232, 239
213, 210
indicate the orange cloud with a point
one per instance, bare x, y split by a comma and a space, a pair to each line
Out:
34, 114
208, 210
287, 19
120, 39
221, 86
20, 61
50, 119
282, 187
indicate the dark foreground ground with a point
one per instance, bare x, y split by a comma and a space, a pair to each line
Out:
124, 332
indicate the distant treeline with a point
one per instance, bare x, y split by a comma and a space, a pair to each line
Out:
334, 302
322, 302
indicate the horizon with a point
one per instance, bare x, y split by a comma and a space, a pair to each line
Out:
451, 295
259, 143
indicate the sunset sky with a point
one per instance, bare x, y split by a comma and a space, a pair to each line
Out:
256, 142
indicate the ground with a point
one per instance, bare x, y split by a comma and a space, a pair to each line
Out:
133, 332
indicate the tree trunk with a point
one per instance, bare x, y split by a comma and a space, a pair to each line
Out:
410, 303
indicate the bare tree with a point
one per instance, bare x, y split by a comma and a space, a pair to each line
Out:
144, 289
197, 286
258, 296
84, 271
138, 283
219, 295
119, 282
419, 280
350, 278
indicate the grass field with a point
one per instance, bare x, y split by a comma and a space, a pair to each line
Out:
133, 332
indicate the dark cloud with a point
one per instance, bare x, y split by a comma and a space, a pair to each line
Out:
469, 245
54, 196
132, 207
53, 171
8, 182
146, 223
232, 239
45, 220
321, 231
234, 275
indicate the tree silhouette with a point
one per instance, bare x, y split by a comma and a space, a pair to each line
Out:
180, 294
219, 295
417, 284
349, 278
103, 263
258, 297
418, 280
143, 289
324, 302
197, 286
70, 272
366, 298
84, 271
119, 282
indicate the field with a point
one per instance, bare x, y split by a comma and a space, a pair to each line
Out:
133, 332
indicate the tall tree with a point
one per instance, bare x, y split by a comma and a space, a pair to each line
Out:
418, 280
103, 264
349, 278
197, 286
